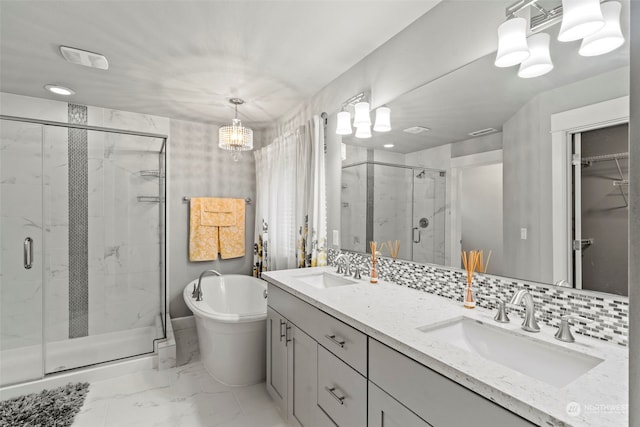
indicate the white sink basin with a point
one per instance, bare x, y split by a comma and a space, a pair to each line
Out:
547, 362
325, 280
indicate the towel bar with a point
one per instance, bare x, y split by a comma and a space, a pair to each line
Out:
187, 199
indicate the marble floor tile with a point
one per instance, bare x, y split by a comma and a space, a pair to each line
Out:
186, 396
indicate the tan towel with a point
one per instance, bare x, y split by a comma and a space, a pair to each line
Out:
216, 212
232, 238
203, 239
206, 241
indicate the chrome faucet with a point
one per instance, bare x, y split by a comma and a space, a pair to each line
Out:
347, 268
529, 323
197, 289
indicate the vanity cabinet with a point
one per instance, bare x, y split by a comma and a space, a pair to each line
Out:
342, 391
277, 359
434, 398
312, 386
292, 360
385, 411
322, 372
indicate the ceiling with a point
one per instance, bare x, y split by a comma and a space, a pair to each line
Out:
480, 95
184, 59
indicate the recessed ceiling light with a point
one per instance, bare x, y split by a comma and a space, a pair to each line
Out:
59, 90
416, 130
84, 57
388, 145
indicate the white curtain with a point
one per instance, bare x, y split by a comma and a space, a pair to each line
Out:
290, 203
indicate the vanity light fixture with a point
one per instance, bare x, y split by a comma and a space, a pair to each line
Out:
597, 24
362, 117
344, 123
580, 18
512, 42
539, 62
59, 90
609, 37
235, 138
363, 132
383, 120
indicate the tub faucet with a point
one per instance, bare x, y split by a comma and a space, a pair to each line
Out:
529, 323
197, 289
347, 267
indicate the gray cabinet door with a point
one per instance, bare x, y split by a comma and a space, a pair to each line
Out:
385, 411
277, 359
302, 369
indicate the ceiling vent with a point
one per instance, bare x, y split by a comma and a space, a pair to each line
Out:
416, 130
83, 57
481, 132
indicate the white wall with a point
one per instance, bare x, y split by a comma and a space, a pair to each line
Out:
199, 168
481, 200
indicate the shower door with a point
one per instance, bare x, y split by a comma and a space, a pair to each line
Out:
103, 205
428, 232
21, 261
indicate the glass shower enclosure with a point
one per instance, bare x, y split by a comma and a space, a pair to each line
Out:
383, 202
82, 262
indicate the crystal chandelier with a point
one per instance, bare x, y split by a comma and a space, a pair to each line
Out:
235, 138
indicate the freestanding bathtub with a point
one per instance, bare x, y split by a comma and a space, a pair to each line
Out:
231, 324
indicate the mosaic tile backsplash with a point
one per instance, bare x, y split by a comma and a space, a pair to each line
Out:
611, 313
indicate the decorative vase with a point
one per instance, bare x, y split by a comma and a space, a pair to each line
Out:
374, 272
469, 301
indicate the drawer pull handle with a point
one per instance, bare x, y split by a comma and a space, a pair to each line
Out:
332, 392
286, 335
335, 340
282, 332
28, 252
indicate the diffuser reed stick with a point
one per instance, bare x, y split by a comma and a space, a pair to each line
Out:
394, 248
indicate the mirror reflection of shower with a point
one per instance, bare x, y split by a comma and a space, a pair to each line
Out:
398, 202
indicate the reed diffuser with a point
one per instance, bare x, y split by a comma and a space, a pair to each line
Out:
394, 248
470, 261
374, 260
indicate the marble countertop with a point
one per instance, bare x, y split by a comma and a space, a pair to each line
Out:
392, 315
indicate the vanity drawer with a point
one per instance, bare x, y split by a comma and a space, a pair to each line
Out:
346, 342
435, 398
342, 392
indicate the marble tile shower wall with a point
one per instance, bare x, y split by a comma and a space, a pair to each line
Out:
124, 289
611, 313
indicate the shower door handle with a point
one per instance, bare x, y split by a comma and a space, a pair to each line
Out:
414, 235
28, 252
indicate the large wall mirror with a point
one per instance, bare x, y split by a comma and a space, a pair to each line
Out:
473, 162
